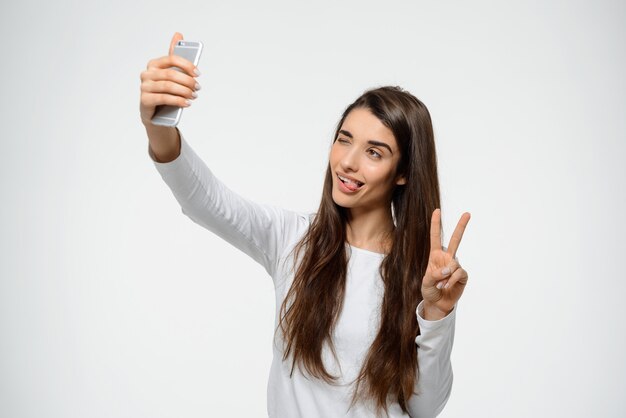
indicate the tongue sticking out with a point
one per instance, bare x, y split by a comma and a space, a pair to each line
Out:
350, 185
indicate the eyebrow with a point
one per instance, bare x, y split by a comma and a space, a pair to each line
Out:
371, 141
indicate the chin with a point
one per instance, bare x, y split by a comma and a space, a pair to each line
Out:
341, 200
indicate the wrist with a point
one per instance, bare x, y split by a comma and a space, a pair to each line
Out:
433, 313
164, 142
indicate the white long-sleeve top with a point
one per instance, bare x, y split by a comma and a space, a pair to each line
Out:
268, 234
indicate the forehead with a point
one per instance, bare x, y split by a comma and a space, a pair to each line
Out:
364, 126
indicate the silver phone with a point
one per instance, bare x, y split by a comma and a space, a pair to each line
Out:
166, 115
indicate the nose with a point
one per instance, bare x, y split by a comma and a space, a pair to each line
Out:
350, 160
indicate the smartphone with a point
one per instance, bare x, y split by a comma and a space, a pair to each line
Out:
166, 115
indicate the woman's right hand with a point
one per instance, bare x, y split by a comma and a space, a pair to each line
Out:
162, 85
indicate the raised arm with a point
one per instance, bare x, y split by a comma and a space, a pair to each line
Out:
261, 231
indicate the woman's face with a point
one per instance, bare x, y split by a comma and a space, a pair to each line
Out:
364, 151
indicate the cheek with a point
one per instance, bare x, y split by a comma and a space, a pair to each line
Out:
380, 175
334, 156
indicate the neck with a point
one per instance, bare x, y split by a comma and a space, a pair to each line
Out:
371, 230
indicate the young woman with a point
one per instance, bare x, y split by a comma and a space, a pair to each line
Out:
365, 292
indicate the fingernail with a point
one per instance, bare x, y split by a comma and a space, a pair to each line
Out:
197, 86
445, 271
196, 72
194, 94
188, 102
447, 285
439, 285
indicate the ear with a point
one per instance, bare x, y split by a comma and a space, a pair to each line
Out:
400, 180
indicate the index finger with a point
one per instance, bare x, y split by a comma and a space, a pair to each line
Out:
435, 230
175, 61
458, 234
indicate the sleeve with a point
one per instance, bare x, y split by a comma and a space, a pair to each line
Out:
434, 346
260, 231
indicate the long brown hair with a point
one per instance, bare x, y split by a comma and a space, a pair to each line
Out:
314, 301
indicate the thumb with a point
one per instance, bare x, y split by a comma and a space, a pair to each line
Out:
436, 276
177, 37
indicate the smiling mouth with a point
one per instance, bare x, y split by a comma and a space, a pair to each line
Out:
350, 184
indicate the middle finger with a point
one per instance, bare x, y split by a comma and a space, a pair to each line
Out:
458, 234
172, 75
168, 87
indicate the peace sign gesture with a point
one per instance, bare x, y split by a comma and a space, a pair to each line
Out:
444, 280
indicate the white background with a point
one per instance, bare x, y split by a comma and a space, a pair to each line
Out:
114, 304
